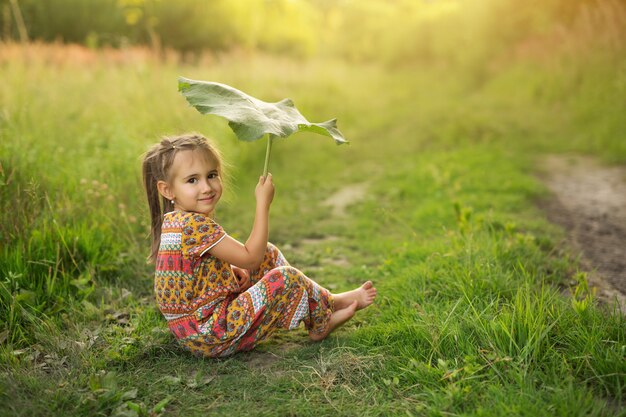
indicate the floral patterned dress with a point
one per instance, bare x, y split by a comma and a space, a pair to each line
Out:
198, 293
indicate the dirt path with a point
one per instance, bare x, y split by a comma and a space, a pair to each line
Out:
589, 201
340, 200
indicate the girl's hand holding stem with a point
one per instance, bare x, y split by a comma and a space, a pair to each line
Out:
250, 254
264, 192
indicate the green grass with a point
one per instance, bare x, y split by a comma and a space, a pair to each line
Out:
471, 318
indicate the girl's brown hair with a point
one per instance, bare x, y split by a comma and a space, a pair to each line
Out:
155, 167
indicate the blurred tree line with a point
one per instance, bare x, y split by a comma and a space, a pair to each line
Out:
455, 32
183, 25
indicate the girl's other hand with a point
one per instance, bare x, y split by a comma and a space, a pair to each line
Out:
264, 191
243, 278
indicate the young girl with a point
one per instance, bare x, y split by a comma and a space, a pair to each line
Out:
218, 295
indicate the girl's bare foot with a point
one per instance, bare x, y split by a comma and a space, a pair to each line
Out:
364, 296
338, 318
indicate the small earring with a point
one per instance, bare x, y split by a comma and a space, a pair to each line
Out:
172, 201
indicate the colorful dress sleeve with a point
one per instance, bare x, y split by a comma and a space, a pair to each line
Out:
199, 235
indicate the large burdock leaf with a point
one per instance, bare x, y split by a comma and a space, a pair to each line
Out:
251, 118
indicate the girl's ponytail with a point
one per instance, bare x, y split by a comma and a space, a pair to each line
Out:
156, 213
150, 185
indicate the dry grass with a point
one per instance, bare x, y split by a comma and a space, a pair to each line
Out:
599, 26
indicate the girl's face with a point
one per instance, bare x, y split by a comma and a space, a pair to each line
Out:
195, 184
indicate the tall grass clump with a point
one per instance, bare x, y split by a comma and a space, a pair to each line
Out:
68, 228
50, 257
473, 299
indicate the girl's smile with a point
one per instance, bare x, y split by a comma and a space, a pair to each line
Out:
195, 184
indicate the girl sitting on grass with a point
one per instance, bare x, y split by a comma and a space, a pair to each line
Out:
218, 295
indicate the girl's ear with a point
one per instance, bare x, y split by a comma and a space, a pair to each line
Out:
164, 190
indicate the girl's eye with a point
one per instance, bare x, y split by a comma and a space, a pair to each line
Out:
213, 175
192, 180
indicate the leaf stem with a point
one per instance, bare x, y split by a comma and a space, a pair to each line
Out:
268, 151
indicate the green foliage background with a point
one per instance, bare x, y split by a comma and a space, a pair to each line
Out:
448, 105
452, 32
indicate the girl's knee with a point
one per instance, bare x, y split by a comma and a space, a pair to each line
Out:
275, 255
286, 277
292, 275
267, 264
271, 248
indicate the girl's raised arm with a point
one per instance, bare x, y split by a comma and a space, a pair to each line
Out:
250, 254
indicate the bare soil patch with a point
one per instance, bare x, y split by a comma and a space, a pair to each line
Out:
339, 203
344, 197
589, 201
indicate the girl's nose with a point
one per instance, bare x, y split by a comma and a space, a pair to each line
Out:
206, 185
